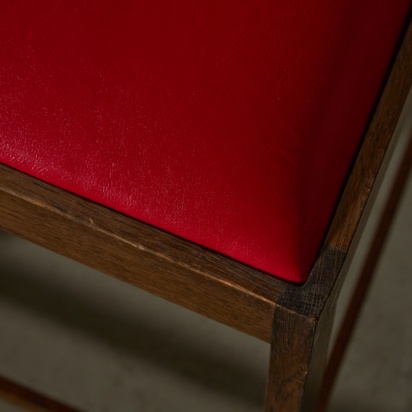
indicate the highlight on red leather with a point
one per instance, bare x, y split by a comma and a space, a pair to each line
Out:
229, 123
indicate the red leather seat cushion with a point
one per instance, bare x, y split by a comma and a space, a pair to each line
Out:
229, 123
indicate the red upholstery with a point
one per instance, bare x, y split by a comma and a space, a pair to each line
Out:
229, 123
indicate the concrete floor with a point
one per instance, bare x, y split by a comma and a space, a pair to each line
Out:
101, 345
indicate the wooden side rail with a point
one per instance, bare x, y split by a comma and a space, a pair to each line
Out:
304, 314
163, 264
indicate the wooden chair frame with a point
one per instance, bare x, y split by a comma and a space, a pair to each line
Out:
295, 319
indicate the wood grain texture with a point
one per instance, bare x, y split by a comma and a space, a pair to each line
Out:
296, 364
150, 259
30, 400
289, 361
377, 142
301, 336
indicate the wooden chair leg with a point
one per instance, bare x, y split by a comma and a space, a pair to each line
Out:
297, 360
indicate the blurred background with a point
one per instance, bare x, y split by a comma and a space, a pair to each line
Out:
102, 346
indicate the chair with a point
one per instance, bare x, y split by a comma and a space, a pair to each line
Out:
295, 317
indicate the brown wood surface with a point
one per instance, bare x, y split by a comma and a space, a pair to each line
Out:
29, 399
150, 259
299, 350
378, 142
289, 352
